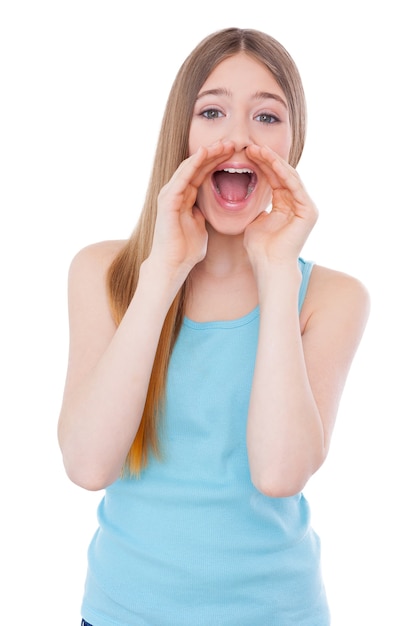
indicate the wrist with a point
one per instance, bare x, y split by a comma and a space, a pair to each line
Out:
160, 283
277, 278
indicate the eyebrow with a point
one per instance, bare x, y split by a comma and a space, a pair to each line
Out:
259, 95
266, 95
214, 92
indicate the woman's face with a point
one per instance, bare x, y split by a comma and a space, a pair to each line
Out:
239, 102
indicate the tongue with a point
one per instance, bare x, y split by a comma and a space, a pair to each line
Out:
232, 187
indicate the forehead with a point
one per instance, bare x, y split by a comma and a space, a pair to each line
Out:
242, 71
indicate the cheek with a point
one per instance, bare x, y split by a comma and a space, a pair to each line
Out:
192, 147
283, 147
204, 134
198, 137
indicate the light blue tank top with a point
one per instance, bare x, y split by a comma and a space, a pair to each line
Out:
192, 542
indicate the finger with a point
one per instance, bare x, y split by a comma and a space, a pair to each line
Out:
196, 167
279, 173
181, 190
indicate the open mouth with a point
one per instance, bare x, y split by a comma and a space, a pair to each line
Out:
234, 184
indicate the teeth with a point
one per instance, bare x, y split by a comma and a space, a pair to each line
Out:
242, 170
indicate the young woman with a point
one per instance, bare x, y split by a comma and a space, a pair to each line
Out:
207, 360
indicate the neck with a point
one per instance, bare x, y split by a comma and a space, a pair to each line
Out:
226, 255
222, 285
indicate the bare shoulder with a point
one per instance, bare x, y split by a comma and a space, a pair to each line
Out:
325, 281
91, 322
87, 284
96, 257
333, 293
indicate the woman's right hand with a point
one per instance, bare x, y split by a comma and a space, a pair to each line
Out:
180, 236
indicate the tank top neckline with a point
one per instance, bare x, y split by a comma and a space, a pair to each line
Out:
233, 323
305, 267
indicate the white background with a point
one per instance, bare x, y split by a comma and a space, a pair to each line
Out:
83, 86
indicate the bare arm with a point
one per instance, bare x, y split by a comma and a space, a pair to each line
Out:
301, 368
300, 374
109, 368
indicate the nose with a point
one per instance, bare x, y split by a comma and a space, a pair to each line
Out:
240, 135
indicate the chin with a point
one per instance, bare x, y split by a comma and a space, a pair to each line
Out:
228, 227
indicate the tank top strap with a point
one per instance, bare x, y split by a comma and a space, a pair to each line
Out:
305, 267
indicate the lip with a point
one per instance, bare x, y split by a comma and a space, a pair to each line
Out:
227, 204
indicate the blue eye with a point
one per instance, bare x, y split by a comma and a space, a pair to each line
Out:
212, 114
267, 118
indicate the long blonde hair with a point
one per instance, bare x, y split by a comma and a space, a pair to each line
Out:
172, 149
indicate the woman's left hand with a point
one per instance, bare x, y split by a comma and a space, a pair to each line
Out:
280, 234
